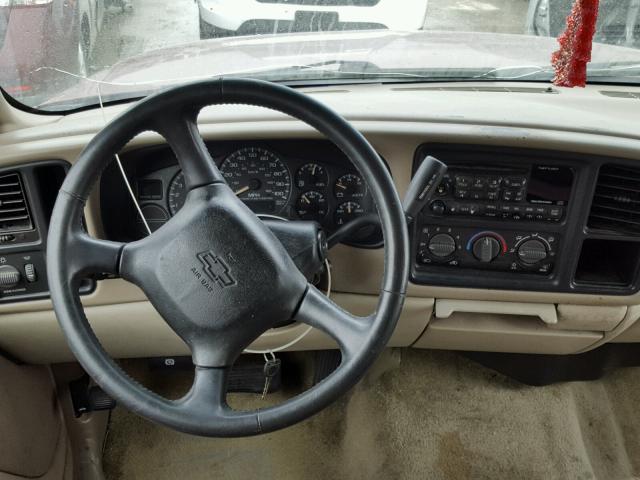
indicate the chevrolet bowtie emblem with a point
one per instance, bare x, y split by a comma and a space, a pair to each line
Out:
216, 269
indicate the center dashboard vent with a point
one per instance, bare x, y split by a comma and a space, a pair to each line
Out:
14, 211
616, 203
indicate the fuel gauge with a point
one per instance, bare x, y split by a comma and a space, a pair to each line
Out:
312, 175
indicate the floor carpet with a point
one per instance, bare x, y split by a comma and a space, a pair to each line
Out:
434, 415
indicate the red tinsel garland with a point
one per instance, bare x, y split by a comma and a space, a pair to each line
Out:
570, 61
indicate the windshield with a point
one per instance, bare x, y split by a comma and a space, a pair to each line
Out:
61, 55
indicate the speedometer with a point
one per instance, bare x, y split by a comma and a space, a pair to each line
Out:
259, 178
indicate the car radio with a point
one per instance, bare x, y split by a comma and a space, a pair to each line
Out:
539, 193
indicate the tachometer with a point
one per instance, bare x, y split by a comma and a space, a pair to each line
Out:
259, 178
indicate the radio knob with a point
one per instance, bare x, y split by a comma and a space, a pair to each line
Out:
438, 207
442, 245
9, 276
486, 249
532, 252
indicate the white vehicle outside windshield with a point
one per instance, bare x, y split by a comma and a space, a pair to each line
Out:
59, 55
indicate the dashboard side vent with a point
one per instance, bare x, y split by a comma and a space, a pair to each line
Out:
14, 211
616, 203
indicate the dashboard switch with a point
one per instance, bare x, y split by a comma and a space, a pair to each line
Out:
30, 272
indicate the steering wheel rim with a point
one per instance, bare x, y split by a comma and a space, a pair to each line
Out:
72, 254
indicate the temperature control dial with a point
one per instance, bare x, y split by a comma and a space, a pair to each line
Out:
442, 245
486, 249
532, 251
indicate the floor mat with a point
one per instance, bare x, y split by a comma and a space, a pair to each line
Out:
437, 416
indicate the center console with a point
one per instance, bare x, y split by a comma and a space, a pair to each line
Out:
499, 219
516, 198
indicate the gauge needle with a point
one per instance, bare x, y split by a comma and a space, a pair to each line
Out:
242, 190
339, 185
349, 208
313, 170
304, 197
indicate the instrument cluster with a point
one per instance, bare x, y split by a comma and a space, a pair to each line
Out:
293, 180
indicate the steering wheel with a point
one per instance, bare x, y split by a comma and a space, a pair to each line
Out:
215, 273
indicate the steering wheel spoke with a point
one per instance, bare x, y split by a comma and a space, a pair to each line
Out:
318, 311
182, 134
208, 393
94, 256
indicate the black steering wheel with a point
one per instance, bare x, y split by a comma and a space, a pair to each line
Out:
215, 273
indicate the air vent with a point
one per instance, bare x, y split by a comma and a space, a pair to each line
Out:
14, 212
616, 203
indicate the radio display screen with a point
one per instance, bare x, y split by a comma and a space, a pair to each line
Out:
550, 185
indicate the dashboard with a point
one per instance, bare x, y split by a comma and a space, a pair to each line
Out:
293, 180
531, 244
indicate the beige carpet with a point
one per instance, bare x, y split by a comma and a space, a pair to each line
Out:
436, 416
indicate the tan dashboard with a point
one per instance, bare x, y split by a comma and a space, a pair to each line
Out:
396, 120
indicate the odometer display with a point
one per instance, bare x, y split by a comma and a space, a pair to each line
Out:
258, 177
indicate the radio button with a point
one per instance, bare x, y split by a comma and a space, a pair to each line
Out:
464, 209
463, 181
517, 182
461, 193
494, 182
555, 213
475, 209
479, 183
493, 194
490, 210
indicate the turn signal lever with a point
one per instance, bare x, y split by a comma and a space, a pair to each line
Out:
421, 189
423, 186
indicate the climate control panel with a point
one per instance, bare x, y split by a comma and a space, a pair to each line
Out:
500, 250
